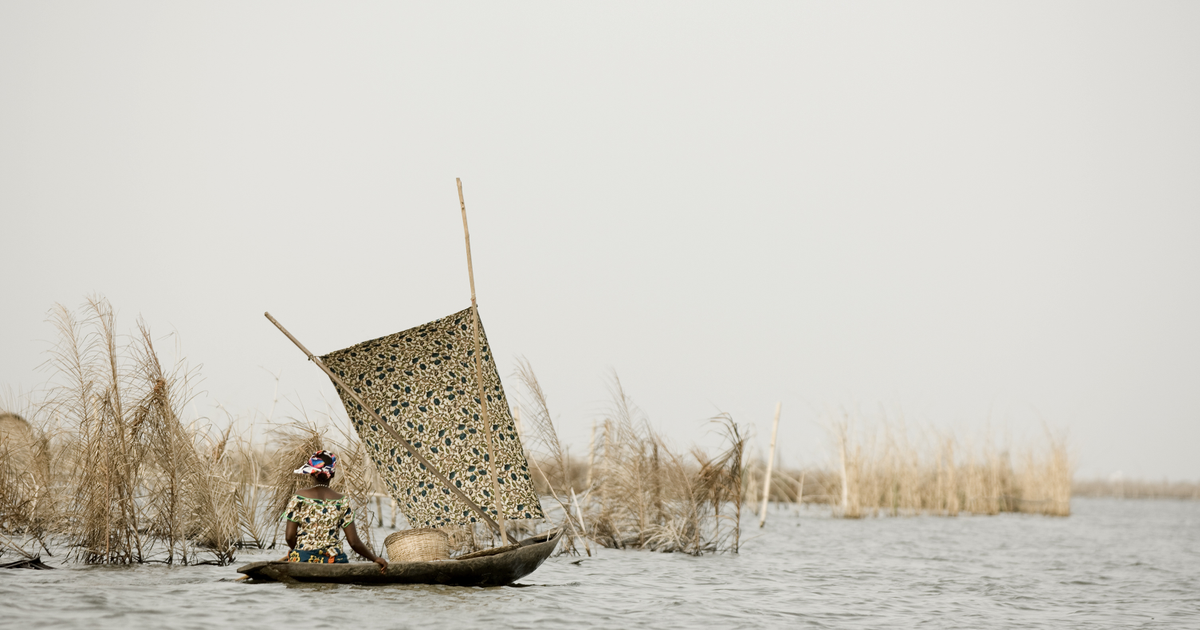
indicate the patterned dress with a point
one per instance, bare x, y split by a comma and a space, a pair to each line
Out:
318, 523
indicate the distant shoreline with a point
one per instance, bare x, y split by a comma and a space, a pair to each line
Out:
1136, 489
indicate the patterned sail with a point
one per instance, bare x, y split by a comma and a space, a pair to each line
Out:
422, 381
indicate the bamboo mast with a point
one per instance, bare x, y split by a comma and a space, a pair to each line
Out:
487, 424
387, 427
762, 518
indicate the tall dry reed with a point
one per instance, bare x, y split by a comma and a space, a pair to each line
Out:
553, 474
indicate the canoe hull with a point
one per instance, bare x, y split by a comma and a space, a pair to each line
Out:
491, 570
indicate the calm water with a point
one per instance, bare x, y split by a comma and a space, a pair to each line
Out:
1113, 564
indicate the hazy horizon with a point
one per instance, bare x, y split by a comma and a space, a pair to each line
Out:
970, 215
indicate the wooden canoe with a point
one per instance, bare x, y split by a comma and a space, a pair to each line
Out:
491, 567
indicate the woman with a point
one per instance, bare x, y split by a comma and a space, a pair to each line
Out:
315, 515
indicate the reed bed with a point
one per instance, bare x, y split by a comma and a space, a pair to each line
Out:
105, 469
883, 468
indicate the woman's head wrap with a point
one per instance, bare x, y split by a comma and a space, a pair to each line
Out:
321, 463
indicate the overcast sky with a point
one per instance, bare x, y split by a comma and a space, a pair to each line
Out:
969, 214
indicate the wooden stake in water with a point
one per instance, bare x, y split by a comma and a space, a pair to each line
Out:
800, 492
582, 527
591, 455
494, 466
762, 518
845, 479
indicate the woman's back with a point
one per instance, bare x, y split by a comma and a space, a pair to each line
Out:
320, 514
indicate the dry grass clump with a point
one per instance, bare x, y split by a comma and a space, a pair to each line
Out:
632, 490
886, 470
108, 468
648, 497
133, 483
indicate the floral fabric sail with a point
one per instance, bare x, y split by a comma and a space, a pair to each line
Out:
422, 382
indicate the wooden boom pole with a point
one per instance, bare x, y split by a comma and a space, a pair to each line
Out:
487, 423
387, 427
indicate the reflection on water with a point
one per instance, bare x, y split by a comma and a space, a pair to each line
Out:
1111, 564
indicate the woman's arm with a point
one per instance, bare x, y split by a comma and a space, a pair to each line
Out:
289, 536
361, 549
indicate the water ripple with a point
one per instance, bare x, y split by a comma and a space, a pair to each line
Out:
1111, 564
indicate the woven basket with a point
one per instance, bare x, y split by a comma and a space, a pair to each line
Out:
417, 545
